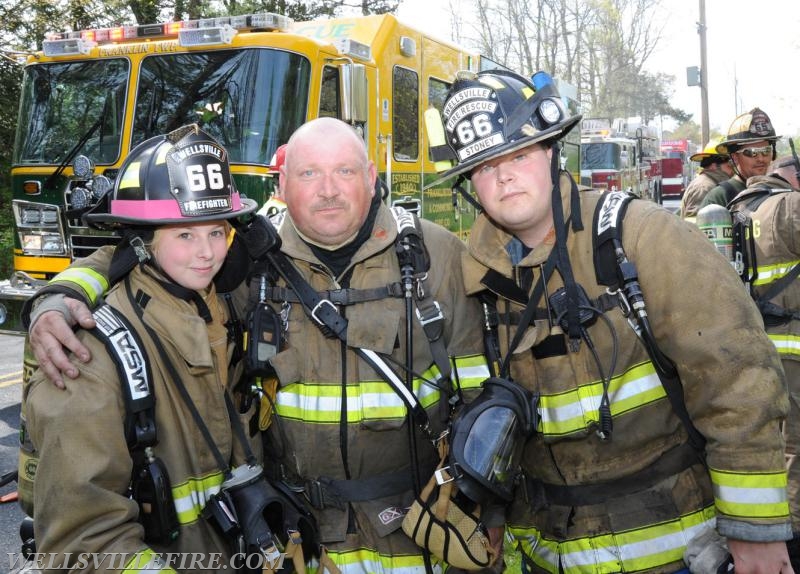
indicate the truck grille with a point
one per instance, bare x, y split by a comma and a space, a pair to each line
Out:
84, 245
83, 240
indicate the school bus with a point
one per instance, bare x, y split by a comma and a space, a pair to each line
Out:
90, 96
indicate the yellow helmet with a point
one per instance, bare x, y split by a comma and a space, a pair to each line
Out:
709, 151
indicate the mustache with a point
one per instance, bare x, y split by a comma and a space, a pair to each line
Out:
328, 204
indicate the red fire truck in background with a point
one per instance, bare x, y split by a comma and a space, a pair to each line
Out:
675, 167
621, 155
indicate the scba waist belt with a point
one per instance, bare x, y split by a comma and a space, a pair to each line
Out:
325, 492
669, 464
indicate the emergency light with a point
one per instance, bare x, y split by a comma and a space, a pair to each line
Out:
206, 36
205, 31
67, 47
353, 48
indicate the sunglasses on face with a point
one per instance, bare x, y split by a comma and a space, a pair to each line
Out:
764, 151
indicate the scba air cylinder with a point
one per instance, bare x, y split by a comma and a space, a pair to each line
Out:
715, 221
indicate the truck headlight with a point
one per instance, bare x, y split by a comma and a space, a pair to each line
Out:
38, 243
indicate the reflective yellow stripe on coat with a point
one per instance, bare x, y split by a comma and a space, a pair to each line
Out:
633, 550
785, 344
146, 562
750, 496
578, 409
770, 273
371, 400
191, 496
85, 279
364, 561
469, 372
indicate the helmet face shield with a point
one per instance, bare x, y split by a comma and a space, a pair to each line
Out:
488, 437
492, 450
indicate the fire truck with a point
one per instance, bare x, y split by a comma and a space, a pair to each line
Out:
620, 155
92, 95
675, 167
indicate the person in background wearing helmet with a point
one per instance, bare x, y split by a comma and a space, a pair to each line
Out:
714, 169
275, 207
172, 203
750, 144
341, 434
772, 202
613, 479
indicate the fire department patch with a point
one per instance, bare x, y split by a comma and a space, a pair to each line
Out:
391, 514
760, 124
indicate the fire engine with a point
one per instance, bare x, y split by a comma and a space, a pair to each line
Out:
675, 167
90, 96
620, 155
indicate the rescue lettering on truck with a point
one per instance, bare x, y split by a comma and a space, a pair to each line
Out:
90, 96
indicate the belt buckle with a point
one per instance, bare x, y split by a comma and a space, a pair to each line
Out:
425, 320
443, 475
317, 308
314, 494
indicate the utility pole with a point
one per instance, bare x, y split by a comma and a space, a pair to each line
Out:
701, 29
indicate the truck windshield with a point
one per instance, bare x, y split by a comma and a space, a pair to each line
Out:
250, 100
600, 156
61, 103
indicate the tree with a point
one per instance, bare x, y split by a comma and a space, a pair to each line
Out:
600, 46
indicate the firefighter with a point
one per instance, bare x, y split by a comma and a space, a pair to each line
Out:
771, 204
714, 169
341, 434
622, 471
750, 144
275, 207
90, 474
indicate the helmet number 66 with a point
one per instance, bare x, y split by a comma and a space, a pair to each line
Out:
479, 126
197, 179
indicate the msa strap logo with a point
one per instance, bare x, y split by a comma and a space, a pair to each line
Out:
127, 349
612, 203
404, 219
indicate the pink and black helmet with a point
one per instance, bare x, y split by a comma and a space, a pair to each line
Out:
181, 177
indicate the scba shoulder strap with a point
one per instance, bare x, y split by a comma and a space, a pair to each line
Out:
150, 484
414, 262
746, 263
614, 270
133, 367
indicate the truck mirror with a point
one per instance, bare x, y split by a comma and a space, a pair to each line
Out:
354, 92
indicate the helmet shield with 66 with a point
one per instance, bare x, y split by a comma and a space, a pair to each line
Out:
747, 128
493, 113
183, 177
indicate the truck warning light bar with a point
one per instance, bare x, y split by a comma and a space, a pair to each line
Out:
200, 32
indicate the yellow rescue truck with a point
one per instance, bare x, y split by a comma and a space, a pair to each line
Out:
90, 96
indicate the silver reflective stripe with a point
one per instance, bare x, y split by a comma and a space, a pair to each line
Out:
743, 495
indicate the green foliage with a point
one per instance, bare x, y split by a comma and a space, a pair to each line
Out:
10, 78
6, 234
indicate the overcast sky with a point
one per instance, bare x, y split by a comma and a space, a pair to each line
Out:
753, 51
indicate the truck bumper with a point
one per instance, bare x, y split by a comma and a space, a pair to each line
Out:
13, 294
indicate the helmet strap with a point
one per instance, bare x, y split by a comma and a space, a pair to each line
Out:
140, 249
130, 252
458, 187
562, 256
